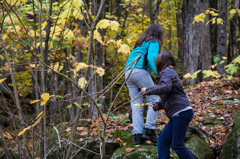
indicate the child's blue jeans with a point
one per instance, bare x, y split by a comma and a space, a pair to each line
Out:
174, 133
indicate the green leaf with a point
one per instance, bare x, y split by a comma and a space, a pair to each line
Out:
69, 106
58, 96
79, 106
221, 62
99, 104
216, 59
26, 43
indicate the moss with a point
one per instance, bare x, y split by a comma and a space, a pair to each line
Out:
211, 121
217, 106
125, 136
140, 152
199, 148
231, 147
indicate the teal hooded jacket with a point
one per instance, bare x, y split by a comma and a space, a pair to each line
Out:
150, 48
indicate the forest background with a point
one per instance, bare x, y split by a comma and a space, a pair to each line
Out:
62, 61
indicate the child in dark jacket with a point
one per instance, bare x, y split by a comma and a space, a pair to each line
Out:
176, 105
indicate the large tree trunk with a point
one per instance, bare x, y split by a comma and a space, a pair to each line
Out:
179, 29
222, 35
192, 38
238, 42
205, 41
213, 31
232, 47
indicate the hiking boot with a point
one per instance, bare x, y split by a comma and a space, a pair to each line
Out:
149, 134
138, 139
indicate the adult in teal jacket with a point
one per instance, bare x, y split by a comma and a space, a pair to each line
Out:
148, 46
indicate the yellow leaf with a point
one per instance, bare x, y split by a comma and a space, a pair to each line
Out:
188, 75
80, 65
29, 127
87, 104
213, 20
206, 12
129, 40
45, 97
233, 11
56, 67
100, 71
114, 25
65, 14
236, 60
195, 74
77, 3
8, 136
24, 130
124, 48
69, 34
77, 14
1, 57
11, 2
119, 42
31, 33
1, 80
82, 82
219, 21
4, 37
41, 113
102, 24
97, 36
34, 101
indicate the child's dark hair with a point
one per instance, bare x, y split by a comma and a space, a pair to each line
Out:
164, 60
153, 32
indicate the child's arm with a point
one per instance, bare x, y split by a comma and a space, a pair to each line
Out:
164, 86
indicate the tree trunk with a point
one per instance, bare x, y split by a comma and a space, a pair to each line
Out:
205, 42
179, 29
150, 11
232, 47
16, 96
222, 36
213, 31
169, 27
192, 38
238, 41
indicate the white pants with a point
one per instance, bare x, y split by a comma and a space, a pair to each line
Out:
138, 79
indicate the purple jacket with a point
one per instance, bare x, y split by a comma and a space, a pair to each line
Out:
171, 92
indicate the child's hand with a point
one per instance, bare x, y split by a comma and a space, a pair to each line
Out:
155, 106
143, 90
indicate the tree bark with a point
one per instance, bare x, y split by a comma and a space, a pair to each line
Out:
179, 29
205, 42
232, 47
192, 38
16, 96
222, 36
213, 31
150, 11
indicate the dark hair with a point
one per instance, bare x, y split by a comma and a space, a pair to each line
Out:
153, 32
164, 60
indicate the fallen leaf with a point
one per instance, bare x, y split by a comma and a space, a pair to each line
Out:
129, 149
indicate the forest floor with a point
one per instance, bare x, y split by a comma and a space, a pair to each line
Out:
217, 99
